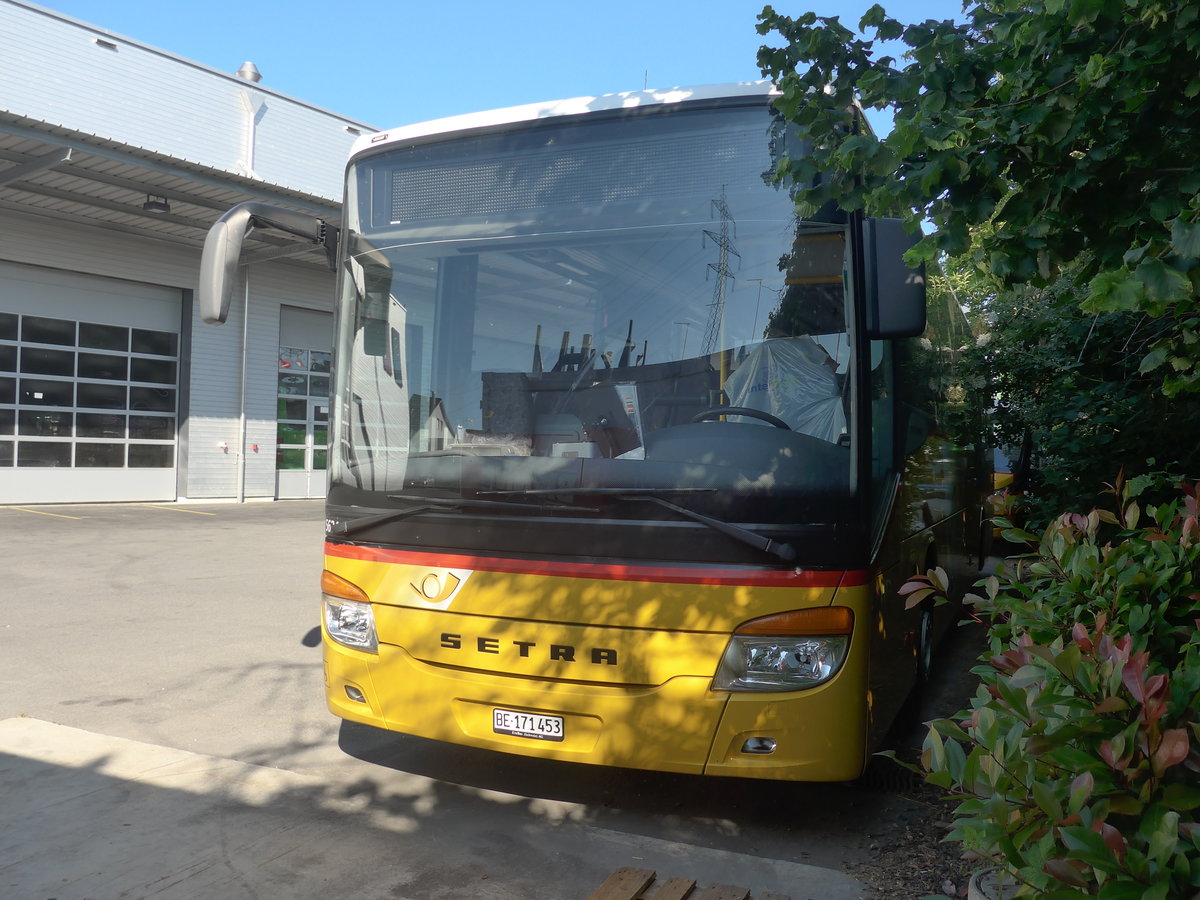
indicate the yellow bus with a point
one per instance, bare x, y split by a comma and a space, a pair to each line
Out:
627, 461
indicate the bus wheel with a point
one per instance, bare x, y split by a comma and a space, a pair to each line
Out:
925, 645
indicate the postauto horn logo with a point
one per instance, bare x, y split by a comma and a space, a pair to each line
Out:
436, 588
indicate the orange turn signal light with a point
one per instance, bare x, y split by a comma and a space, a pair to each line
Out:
817, 621
337, 586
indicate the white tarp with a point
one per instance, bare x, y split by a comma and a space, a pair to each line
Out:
795, 380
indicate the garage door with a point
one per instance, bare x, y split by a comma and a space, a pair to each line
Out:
89, 388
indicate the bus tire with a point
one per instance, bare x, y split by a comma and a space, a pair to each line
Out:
924, 645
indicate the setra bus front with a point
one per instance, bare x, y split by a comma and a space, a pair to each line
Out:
614, 442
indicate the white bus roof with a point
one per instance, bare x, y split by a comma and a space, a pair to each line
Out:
576, 106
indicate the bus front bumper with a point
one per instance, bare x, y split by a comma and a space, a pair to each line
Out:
678, 726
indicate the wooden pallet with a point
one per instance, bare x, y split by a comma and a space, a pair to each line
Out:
632, 884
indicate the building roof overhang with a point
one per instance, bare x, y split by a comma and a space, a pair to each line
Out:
54, 173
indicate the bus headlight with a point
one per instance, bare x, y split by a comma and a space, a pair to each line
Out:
351, 623
787, 652
348, 620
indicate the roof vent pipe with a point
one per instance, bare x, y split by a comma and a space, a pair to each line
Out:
250, 72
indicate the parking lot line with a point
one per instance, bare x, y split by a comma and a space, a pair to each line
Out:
194, 512
41, 512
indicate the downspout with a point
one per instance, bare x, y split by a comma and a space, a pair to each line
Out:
241, 444
254, 109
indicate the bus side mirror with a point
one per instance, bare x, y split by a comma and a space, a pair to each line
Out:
222, 252
895, 293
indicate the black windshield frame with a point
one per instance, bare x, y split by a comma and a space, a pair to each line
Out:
743, 475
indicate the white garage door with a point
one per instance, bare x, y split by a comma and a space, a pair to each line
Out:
89, 388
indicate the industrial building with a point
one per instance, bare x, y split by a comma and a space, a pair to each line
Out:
115, 158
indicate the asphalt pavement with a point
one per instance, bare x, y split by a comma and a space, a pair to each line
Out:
163, 734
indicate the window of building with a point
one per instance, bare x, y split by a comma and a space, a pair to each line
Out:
302, 429
86, 395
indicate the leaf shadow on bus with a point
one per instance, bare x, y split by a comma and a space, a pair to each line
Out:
778, 818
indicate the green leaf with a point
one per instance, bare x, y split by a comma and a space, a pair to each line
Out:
1185, 237
1165, 837
1126, 805
1081, 791
956, 760
935, 751
1163, 284
1046, 798
1082, 839
1183, 797
1113, 291
1153, 359
1027, 675
1122, 890
1094, 68
948, 728
1068, 661
1064, 870
940, 779
1084, 12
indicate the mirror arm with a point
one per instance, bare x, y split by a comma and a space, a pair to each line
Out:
223, 249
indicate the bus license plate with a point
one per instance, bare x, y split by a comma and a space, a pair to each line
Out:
530, 725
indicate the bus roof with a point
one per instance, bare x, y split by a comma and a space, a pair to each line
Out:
573, 107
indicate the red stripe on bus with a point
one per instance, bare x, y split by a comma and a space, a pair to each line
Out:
816, 578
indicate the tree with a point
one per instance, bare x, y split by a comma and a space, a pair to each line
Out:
1069, 381
1062, 131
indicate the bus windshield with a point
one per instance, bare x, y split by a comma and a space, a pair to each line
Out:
603, 319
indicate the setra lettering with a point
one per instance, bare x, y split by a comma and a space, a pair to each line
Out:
562, 653
567, 653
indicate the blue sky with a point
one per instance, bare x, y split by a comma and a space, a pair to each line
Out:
393, 63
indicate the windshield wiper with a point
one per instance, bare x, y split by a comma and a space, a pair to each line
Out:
426, 504
785, 552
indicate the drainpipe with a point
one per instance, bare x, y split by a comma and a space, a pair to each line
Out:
241, 444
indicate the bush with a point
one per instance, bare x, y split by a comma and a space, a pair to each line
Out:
1076, 767
1071, 383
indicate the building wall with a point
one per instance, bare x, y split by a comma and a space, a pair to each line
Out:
63, 72
214, 379
115, 94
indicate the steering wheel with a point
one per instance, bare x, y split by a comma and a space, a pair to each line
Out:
741, 411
